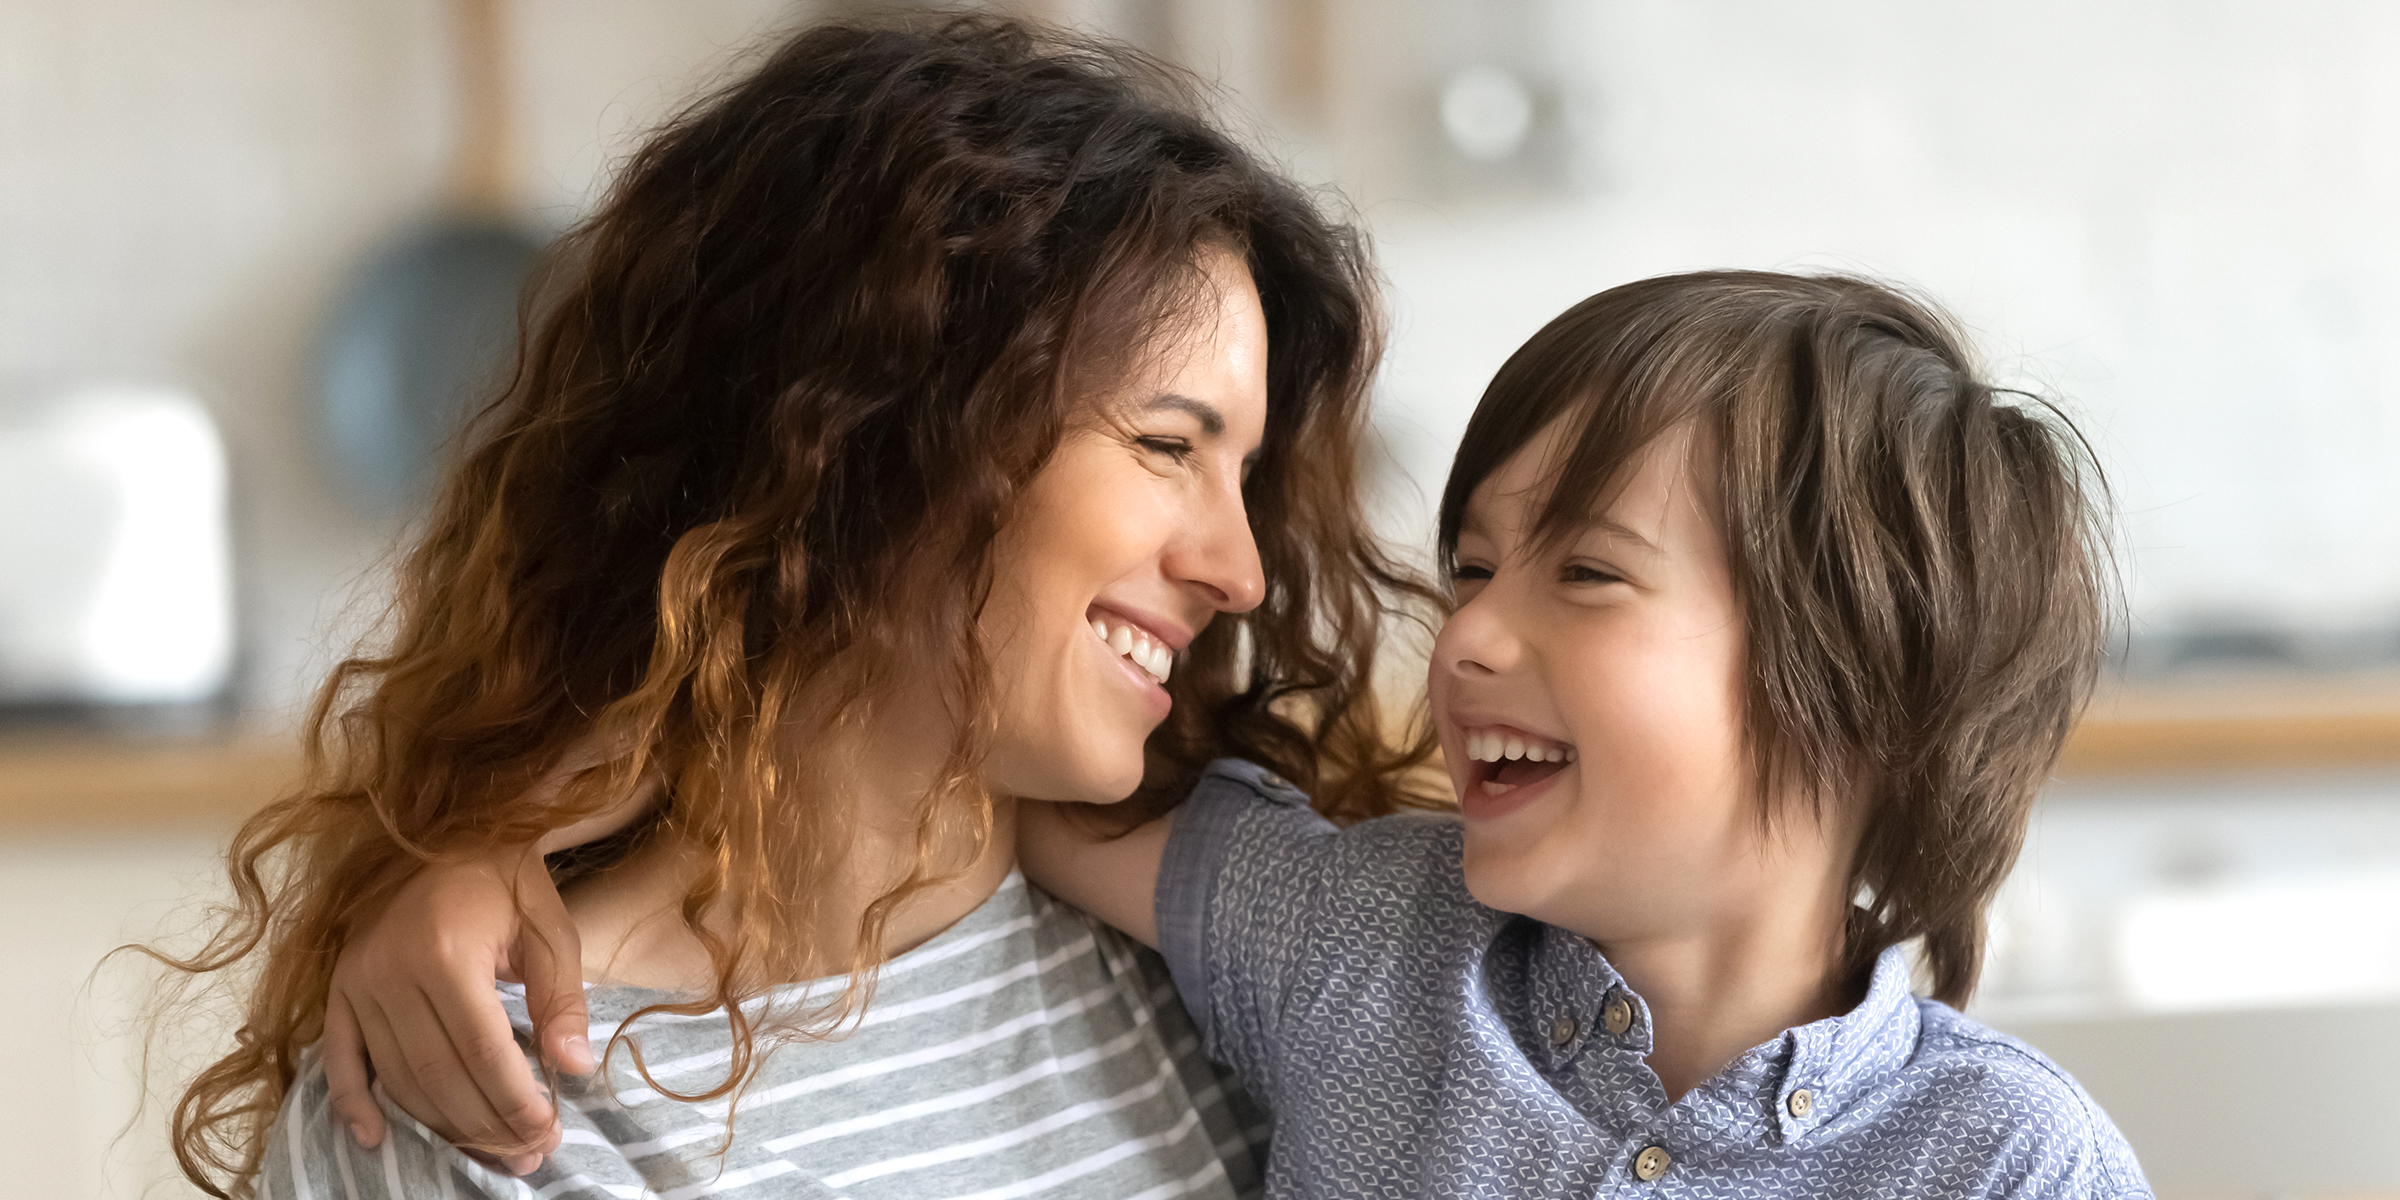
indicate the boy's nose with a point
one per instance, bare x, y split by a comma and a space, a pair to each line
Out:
1479, 639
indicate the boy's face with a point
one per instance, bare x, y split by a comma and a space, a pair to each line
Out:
1616, 659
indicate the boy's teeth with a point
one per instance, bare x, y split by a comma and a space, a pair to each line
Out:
1499, 747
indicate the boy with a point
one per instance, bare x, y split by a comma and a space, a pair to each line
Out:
1770, 622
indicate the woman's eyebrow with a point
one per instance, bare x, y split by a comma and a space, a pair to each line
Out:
1211, 421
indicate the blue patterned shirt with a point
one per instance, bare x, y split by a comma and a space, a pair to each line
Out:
1412, 1042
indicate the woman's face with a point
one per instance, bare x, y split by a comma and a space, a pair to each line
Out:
1128, 543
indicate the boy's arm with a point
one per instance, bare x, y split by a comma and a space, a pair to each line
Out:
412, 991
1114, 879
1229, 889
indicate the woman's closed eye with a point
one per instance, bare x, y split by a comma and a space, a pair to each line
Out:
1174, 448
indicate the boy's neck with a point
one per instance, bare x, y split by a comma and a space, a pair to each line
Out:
1715, 992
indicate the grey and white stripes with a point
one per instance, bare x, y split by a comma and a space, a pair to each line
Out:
1027, 1051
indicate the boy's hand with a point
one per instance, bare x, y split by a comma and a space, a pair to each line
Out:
414, 992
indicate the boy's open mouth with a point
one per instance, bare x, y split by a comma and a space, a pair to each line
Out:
1502, 759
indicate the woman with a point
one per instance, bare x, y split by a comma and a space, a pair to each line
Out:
932, 419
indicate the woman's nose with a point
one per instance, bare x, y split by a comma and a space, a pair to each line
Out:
1217, 556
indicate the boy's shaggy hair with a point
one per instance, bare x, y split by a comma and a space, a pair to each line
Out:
1920, 558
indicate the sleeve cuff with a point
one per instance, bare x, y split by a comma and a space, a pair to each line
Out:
1202, 827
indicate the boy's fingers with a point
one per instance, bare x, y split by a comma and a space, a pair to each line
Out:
345, 1054
393, 1077
477, 1032
549, 958
434, 1083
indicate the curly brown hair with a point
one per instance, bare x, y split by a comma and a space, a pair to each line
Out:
1922, 558
773, 401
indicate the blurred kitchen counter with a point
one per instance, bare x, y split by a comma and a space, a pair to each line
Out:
57, 779
2235, 721
54, 779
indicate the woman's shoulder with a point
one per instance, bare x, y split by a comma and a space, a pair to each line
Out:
308, 1152
1024, 1015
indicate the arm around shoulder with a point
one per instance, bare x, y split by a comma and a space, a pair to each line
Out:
1114, 879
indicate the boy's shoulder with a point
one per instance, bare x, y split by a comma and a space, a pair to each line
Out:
2057, 1139
1397, 876
1418, 850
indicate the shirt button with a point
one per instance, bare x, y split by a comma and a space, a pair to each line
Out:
1562, 1031
1800, 1103
1617, 1015
1651, 1163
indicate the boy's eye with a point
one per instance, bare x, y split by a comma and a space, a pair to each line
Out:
1173, 447
1585, 573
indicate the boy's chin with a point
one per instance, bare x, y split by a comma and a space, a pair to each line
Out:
1501, 880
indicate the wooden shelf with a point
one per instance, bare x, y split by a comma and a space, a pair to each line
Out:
67, 780
2238, 722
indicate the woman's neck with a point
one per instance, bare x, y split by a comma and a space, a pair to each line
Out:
630, 915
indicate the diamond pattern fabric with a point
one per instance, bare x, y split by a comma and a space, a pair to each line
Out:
1407, 1040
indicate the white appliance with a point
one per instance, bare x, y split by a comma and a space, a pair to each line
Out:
116, 567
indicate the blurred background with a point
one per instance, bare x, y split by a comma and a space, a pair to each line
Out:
2177, 218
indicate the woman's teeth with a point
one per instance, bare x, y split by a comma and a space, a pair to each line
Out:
1132, 643
1494, 746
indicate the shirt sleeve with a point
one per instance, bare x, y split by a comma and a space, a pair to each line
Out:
1248, 866
309, 1155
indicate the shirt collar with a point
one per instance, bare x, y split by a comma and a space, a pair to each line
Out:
1575, 982
1834, 1061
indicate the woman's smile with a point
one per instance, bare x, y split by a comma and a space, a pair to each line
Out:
1141, 651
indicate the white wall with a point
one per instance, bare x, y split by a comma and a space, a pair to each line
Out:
2179, 215
2174, 214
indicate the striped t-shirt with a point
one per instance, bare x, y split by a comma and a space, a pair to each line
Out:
1027, 1051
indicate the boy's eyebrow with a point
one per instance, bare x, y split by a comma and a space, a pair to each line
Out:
1615, 528
1211, 421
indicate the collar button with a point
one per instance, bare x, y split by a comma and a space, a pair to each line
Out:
1800, 1103
1616, 1016
1562, 1031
